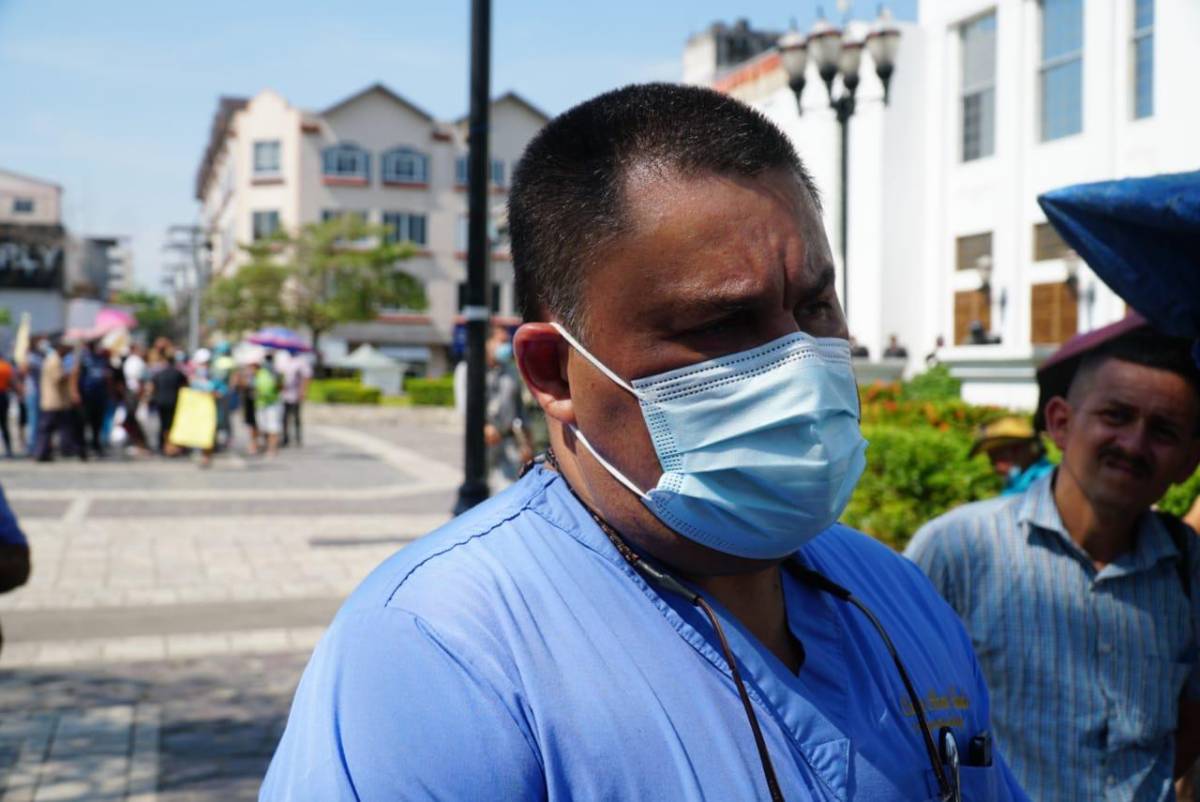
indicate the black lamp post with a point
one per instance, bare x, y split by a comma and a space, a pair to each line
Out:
836, 54
477, 312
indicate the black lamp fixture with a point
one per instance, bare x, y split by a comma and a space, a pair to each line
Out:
836, 53
883, 43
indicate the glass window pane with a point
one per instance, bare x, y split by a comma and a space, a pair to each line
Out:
1143, 76
1143, 14
1062, 27
979, 53
1062, 100
416, 228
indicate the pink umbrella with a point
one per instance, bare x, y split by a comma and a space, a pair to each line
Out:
111, 318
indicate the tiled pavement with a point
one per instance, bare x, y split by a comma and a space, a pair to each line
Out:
155, 650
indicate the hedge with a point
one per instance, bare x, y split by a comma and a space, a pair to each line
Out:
342, 391
431, 392
1180, 498
913, 475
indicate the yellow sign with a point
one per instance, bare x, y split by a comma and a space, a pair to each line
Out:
195, 424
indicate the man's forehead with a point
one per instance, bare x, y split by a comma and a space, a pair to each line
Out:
1141, 386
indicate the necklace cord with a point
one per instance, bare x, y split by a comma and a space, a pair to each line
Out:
805, 575
668, 582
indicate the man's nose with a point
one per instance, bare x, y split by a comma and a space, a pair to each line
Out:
1134, 439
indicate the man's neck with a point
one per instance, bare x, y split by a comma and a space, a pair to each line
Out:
756, 600
1104, 533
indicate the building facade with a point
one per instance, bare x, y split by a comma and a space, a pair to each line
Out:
993, 102
33, 254
270, 165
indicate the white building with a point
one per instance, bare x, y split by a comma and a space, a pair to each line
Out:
270, 165
993, 102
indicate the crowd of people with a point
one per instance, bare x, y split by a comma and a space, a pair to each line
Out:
88, 399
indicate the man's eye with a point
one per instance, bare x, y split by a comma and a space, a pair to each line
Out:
815, 309
1114, 416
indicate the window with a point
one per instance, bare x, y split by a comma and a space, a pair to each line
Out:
266, 157
265, 224
405, 166
979, 88
972, 310
346, 161
1054, 313
462, 178
22, 205
405, 227
1047, 244
1143, 58
462, 296
342, 214
970, 249
1062, 68
460, 234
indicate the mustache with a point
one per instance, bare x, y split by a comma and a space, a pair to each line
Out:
1140, 465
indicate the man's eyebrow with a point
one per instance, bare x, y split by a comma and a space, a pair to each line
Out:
821, 283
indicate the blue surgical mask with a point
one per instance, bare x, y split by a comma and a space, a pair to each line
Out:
504, 353
760, 450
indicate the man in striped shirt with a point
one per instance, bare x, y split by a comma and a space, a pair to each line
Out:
1076, 595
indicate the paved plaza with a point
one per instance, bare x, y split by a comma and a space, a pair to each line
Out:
154, 652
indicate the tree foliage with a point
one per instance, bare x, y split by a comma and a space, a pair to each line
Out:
154, 317
248, 299
339, 271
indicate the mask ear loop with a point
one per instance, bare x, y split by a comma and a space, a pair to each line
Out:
608, 466
600, 366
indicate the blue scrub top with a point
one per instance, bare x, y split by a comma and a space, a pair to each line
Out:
514, 654
10, 530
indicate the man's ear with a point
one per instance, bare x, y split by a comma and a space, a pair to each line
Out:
1058, 419
541, 355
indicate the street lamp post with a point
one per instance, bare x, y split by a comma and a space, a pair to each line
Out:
836, 54
477, 311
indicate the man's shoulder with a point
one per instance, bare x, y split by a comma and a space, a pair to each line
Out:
460, 571
893, 587
974, 525
857, 560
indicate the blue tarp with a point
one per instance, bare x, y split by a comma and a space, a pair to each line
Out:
1141, 236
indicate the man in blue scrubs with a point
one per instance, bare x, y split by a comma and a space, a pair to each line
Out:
665, 607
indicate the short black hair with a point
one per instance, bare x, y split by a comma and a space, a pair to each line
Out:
1147, 348
567, 190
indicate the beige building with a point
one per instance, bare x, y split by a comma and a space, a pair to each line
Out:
33, 250
270, 164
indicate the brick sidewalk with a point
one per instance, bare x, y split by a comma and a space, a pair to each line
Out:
154, 652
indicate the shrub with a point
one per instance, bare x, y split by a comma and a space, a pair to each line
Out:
914, 474
1180, 498
952, 415
342, 391
431, 392
935, 384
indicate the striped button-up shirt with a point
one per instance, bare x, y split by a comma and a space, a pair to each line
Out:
1085, 667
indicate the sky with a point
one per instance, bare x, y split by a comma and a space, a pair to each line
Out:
114, 100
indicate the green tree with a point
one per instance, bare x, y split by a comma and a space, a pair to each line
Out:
339, 271
249, 298
153, 315
344, 270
